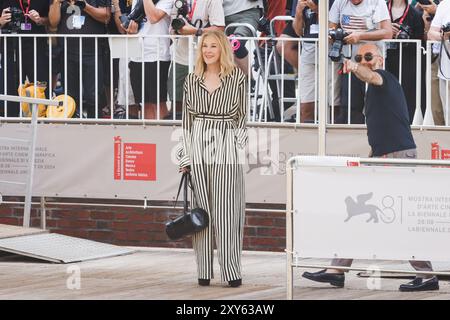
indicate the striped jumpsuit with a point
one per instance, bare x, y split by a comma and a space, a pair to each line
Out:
214, 138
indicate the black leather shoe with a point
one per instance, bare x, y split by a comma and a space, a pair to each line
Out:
418, 284
335, 279
235, 283
203, 282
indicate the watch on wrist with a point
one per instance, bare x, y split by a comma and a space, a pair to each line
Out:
199, 32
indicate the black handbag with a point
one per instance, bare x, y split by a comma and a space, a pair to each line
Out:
190, 221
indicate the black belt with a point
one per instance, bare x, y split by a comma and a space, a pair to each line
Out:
213, 116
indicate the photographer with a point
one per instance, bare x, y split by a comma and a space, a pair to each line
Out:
24, 17
362, 20
306, 26
156, 22
83, 17
440, 31
407, 24
205, 15
242, 11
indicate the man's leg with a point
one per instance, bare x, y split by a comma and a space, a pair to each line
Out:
417, 284
444, 92
356, 101
181, 71
335, 277
436, 104
251, 17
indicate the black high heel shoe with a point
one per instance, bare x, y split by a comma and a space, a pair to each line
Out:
204, 282
235, 283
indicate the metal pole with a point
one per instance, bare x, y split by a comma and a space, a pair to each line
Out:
31, 150
289, 233
323, 75
43, 214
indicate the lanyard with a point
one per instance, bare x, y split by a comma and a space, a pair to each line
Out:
405, 13
28, 7
191, 13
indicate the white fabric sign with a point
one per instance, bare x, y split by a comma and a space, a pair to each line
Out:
381, 212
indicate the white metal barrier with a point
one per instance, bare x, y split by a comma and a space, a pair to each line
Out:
125, 47
31, 149
407, 220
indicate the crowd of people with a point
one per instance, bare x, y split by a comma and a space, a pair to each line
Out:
166, 62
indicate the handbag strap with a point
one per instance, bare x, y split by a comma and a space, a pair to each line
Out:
183, 182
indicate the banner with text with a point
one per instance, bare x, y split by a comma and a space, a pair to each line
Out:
139, 162
371, 212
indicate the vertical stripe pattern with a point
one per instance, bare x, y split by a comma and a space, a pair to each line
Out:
214, 133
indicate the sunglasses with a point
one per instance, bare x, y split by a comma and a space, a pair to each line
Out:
367, 56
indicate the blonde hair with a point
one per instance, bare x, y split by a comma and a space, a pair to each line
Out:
226, 54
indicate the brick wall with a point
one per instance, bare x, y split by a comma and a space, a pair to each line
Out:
141, 227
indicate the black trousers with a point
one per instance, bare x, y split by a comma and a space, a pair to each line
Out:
88, 92
357, 96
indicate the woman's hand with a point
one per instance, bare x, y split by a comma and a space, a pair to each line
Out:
132, 27
395, 30
35, 16
185, 169
5, 17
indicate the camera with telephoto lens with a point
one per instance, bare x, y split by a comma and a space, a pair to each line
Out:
182, 14
446, 28
17, 18
337, 35
137, 14
404, 33
264, 25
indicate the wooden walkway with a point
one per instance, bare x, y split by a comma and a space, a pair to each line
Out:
157, 273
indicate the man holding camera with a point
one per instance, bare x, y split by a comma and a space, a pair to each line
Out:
440, 31
194, 17
23, 17
361, 20
407, 24
389, 135
83, 17
305, 25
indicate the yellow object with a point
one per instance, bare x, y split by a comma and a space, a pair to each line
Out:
27, 90
59, 112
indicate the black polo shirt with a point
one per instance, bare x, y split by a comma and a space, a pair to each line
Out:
387, 117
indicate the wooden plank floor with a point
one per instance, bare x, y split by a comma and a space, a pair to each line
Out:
156, 273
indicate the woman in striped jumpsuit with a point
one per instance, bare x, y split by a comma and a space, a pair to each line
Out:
214, 137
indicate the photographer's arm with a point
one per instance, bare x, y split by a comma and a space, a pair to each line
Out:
152, 12
36, 18
435, 34
298, 23
5, 18
189, 29
385, 32
54, 14
117, 14
101, 14
363, 73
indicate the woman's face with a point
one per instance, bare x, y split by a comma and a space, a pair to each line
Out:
211, 50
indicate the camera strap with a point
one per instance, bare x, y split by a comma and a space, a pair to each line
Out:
405, 13
192, 9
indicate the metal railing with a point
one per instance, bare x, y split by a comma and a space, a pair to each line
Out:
267, 97
31, 148
291, 264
